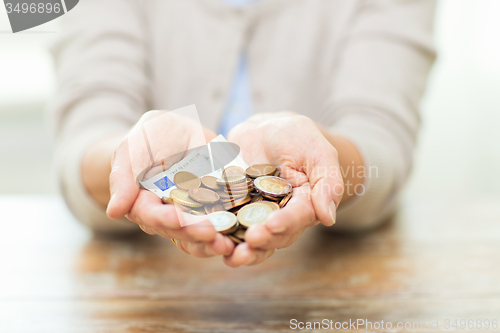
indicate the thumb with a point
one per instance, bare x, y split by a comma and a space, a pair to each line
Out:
327, 185
123, 187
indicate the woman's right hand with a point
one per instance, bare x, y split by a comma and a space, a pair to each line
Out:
157, 137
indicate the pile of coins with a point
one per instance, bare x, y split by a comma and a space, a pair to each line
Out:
234, 202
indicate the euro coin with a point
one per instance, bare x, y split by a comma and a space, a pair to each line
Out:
235, 240
181, 197
240, 233
217, 208
254, 213
273, 186
236, 203
186, 180
210, 182
231, 180
228, 197
213, 208
222, 221
168, 201
271, 198
203, 195
257, 198
259, 170
285, 200
273, 205
233, 171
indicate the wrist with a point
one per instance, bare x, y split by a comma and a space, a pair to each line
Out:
351, 163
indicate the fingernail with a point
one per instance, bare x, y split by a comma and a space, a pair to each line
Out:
277, 230
110, 202
333, 211
251, 260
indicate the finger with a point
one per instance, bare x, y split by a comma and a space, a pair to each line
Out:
219, 246
149, 231
284, 226
244, 255
327, 186
122, 184
149, 211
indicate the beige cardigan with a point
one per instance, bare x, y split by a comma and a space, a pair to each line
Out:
358, 67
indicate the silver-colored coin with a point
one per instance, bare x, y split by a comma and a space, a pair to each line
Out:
273, 186
254, 213
222, 221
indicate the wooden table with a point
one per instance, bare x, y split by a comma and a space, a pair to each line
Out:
438, 259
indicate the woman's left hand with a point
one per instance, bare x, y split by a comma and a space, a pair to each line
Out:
308, 161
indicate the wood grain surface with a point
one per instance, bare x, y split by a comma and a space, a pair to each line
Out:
437, 259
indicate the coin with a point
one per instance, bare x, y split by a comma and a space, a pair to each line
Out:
168, 201
254, 213
236, 203
217, 208
237, 187
210, 182
231, 180
186, 180
273, 186
196, 212
235, 240
231, 230
203, 195
233, 171
222, 221
257, 198
270, 197
227, 198
213, 208
285, 200
240, 233
274, 206
259, 170
182, 197
230, 193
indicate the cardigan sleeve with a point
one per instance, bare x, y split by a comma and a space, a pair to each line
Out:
102, 80
386, 55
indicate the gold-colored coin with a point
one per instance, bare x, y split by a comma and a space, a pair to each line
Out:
203, 195
235, 240
181, 197
259, 170
167, 201
210, 182
240, 233
270, 197
257, 198
254, 213
196, 212
273, 205
231, 180
233, 171
285, 200
231, 230
186, 180
236, 203
273, 186
223, 221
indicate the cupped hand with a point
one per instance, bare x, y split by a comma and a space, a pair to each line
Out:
308, 161
156, 142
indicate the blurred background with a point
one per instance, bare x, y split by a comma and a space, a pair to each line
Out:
457, 154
